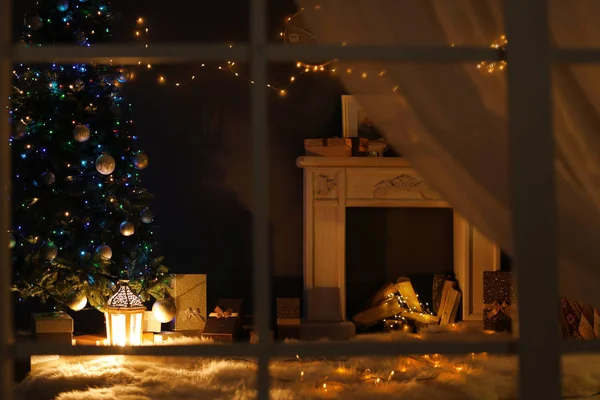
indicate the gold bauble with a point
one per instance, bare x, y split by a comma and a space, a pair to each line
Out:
164, 310
11, 242
127, 228
146, 216
140, 161
104, 251
105, 164
81, 133
76, 301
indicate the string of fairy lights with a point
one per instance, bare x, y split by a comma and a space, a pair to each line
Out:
293, 33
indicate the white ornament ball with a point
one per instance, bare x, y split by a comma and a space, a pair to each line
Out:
146, 216
127, 228
81, 133
48, 178
164, 310
104, 251
105, 164
140, 161
76, 301
48, 251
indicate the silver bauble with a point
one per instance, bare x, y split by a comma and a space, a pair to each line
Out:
48, 178
76, 301
124, 75
127, 228
146, 216
35, 23
81, 133
105, 164
164, 310
20, 129
48, 251
104, 251
80, 37
11, 242
140, 161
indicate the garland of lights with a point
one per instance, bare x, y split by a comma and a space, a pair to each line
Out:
490, 67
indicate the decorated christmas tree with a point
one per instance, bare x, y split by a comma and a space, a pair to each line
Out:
81, 220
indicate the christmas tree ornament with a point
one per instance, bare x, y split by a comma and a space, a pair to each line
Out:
31, 239
164, 310
35, 23
146, 216
78, 85
20, 129
104, 251
105, 164
11, 242
48, 251
140, 161
124, 75
48, 178
81, 133
79, 37
62, 5
127, 228
76, 301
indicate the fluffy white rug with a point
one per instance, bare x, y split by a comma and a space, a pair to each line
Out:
477, 376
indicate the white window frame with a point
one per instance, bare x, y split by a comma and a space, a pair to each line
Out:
531, 154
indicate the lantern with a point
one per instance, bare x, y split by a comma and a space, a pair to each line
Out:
124, 317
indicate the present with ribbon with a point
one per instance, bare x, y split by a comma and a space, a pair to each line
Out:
189, 292
499, 301
224, 323
53, 326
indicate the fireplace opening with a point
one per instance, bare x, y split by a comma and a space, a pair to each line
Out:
383, 244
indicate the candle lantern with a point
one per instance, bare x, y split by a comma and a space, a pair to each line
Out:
124, 317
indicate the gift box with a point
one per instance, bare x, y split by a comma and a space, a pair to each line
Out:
150, 323
224, 323
335, 147
189, 292
499, 301
288, 310
579, 321
53, 327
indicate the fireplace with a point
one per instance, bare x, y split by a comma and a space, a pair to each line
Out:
334, 184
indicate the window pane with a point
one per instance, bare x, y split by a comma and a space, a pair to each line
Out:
575, 25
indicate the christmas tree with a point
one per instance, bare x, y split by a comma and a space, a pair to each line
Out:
81, 220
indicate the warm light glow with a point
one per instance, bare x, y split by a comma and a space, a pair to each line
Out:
124, 317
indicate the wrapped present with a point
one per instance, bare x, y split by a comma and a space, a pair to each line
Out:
91, 340
498, 298
53, 327
224, 323
579, 321
288, 310
150, 323
189, 292
335, 147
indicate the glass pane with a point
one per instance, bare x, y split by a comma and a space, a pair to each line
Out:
77, 22
575, 25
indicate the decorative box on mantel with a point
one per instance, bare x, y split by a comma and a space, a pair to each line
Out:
499, 301
53, 326
189, 292
336, 147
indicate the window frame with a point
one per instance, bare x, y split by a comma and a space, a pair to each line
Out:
527, 26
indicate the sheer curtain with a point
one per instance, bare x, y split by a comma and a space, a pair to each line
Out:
449, 120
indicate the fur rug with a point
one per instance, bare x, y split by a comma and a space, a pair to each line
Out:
431, 377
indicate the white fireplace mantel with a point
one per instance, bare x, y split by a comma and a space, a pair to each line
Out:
331, 184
